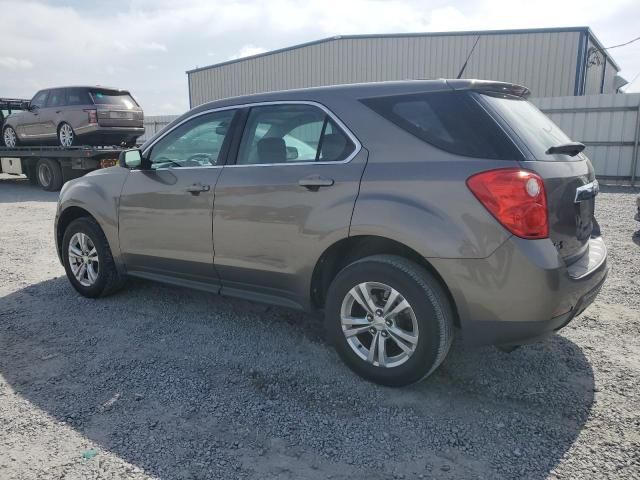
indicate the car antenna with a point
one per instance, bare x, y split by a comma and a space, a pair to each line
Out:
468, 57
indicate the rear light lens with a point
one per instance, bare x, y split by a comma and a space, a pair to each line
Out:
93, 116
516, 198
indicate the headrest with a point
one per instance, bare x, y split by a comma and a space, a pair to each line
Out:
272, 150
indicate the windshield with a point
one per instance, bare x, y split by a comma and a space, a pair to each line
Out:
533, 127
120, 99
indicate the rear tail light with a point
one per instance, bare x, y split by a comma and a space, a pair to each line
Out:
93, 116
516, 198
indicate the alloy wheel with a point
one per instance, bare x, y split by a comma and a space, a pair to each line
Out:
10, 138
379, 324
66, 135
83, 259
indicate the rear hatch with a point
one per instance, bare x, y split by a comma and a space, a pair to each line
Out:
116, 108
567, 173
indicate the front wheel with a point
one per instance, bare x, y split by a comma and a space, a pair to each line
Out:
10, 137
87, 259
390, 320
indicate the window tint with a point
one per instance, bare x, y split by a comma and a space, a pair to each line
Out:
198, 142
110, 97
56, 98
536, 130
451, 121
291, 133
78, 96
39, 99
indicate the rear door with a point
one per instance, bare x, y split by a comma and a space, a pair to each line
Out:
165, 214
569, 180
116, 108
289, 195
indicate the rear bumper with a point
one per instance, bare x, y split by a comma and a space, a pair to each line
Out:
99, 130
523, 291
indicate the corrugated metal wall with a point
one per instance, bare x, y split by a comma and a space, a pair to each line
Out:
153, 124
608, 124
543, 61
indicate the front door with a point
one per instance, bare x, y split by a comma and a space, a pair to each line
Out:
288, 197
165, 215
31, 128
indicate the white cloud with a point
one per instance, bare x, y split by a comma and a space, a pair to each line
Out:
13, 63
91, 41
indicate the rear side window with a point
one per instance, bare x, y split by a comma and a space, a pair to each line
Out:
451, 121
111, 97
78, 96
292, 133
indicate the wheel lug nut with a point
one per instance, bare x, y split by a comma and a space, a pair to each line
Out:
388, 322
379, 313
373, 331
370, 317
384, 334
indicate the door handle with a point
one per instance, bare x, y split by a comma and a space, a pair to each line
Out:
314, 182
196, 188
58, 111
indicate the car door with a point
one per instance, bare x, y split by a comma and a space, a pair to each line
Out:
30, 128
289, 195
165, 213
51, 113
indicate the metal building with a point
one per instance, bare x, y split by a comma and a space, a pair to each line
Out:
550, 61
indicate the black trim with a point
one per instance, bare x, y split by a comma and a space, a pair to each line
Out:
226, 143
238, 130
324, 127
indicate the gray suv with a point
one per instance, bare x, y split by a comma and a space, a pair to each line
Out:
68, 116
406, 211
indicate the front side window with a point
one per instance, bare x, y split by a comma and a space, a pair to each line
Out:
452, 121
277, 134
197, 143
39, 99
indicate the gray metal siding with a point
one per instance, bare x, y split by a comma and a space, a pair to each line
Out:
544, 62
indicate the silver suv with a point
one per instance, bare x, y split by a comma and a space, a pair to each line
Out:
408, 212
69, 116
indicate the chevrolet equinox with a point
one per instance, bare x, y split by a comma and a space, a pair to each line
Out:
405, 211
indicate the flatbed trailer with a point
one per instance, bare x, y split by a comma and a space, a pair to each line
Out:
51, 167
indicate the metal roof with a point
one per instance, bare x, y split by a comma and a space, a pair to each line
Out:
585, 30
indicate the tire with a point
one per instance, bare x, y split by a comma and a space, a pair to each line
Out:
428, 321
106, 279
66, 135
10, 137
49, 174
32, 176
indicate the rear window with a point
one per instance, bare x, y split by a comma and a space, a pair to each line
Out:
535, 129
452, 121
105, 97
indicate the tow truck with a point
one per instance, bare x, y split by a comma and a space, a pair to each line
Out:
50, 167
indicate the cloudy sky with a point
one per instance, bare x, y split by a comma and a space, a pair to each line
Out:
147, 45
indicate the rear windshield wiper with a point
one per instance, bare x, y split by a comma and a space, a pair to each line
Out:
570, 148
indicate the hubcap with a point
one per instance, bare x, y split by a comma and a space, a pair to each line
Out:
9, 137
83, 259
66, 135
379, 324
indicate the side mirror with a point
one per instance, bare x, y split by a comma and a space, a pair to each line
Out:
25, 106
131, 158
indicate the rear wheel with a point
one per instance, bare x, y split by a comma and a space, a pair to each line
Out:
390, 320
87, 259
66, 136
49, 174
10, 137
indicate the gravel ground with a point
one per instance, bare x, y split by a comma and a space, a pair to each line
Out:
162, 382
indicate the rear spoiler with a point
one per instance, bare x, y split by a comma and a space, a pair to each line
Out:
489, 86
